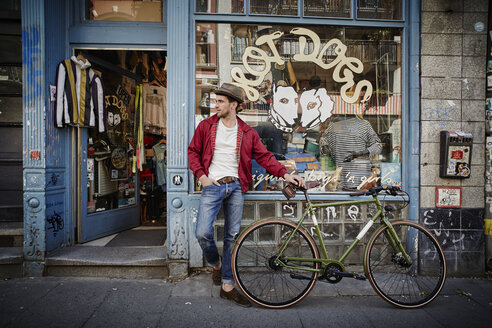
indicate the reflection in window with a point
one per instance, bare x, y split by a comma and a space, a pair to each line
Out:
274, 7
124, 10
220, 6
379, 9
347, 135
330, 8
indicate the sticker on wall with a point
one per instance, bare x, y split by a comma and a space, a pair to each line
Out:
177, 180
448, 197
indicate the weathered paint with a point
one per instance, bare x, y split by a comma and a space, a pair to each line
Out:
46, 209
179, 106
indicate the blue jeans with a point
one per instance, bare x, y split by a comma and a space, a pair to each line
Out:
213, 197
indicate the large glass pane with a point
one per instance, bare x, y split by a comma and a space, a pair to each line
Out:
327, 8
274, 7
124, 10
220, 6
379, 9
326, 100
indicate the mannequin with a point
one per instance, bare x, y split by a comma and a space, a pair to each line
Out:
351, 142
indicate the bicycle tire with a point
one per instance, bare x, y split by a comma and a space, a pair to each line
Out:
256, 274
403, 285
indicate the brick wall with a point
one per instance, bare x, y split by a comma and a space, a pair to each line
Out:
453, 85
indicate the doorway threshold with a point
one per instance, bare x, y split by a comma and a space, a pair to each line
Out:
130, 256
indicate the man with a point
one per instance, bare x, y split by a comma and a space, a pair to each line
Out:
220, 156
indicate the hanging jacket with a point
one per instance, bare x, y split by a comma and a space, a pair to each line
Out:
249, 146
79, 96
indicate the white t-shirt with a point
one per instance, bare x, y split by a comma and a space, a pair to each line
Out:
224, 163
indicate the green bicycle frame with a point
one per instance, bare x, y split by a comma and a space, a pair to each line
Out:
391, 235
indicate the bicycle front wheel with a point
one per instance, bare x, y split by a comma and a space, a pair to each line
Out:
405, 284
264, 280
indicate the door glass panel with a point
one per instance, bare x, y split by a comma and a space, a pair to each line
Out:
124, 10
220, 6
274, 7
379, 9
330, 8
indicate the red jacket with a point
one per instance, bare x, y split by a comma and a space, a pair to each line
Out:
202, 146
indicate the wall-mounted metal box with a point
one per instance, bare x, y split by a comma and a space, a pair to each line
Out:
456, 152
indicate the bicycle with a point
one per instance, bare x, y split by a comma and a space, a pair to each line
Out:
276, 263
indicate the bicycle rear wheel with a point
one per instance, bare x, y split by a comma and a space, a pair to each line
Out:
260, 278
399, 283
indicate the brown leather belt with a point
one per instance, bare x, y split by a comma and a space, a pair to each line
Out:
228, 180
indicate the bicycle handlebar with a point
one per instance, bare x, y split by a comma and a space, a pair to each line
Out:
289, 190
392, 190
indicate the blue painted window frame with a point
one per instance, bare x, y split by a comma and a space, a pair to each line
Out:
122, 34
300, 13
410, 119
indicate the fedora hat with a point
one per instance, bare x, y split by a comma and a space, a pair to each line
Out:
230, 90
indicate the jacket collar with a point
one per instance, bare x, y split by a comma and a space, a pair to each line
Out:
245, 127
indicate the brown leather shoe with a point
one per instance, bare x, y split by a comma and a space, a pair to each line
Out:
217, 276
236, 297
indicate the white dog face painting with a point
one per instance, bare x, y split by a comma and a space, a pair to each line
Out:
285, 103
314, 105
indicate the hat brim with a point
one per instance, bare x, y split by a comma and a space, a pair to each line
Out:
229, 94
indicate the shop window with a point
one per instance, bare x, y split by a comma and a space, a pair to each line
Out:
274, 7
124, 10
326, 100
220, 6
134, 143
379, 9
329, 8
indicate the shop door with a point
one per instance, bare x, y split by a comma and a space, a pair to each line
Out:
115, 163
107, 183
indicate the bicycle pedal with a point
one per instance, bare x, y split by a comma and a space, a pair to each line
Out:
351, 275
358, 276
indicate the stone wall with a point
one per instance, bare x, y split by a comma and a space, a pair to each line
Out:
453, 85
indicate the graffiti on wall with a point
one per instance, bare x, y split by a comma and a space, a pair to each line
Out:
456, 229
31, 43
441, 112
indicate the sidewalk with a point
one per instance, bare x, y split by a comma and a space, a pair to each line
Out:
195, 302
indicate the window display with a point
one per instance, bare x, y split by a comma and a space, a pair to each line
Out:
274, 7
326, 100
379, 9
220, 6
124, 10
331, 8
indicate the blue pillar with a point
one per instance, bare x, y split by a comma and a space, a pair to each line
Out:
412, 124
34, 156
47, 223
178, 109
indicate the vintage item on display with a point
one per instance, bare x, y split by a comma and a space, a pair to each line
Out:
79, 97
119, 161
448, 197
